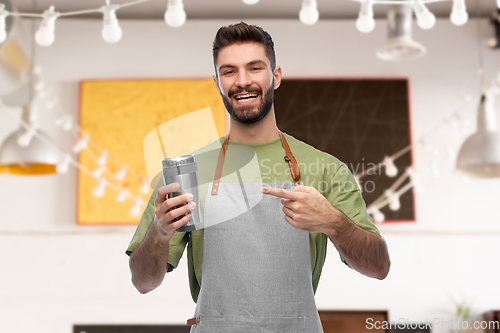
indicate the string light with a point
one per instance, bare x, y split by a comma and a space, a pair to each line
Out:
378, 216
103, 158
24, 139
390, 168
414, 179
459, 14
365, 22
111, 32
175, 16
394, 203
120, 175
81, 144
63, 167
100, 189
425, 19
253, 2
136, 208
68, 123
3, 27
99, 171
45, 35
122, 195
145, 186
309, 13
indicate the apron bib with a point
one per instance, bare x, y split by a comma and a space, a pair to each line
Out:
256, 272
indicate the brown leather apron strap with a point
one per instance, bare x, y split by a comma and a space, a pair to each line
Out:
220, 162
193, 321
292, 163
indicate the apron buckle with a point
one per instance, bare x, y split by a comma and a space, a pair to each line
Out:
192, 321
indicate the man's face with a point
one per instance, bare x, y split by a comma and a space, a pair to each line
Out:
246, 81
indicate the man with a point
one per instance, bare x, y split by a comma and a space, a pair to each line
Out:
261, 267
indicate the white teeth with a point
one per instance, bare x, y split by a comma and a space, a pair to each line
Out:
246, 96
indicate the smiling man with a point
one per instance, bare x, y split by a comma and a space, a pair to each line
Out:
261, 268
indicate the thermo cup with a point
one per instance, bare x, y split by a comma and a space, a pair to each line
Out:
183, 170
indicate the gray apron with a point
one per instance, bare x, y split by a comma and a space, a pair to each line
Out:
256, 272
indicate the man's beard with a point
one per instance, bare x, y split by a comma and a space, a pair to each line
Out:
244, 117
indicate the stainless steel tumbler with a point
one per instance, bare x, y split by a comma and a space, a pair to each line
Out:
183, 170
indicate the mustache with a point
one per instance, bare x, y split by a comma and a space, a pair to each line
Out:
239, 91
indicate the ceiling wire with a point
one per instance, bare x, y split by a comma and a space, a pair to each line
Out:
32, 55
480, 49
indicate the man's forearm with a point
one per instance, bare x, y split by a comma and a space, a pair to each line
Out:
148, 262
364, 251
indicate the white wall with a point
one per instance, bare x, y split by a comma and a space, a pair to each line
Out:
55, 274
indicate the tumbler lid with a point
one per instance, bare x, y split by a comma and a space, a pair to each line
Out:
179, 161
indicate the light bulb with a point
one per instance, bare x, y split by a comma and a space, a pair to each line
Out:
414, 179
81, 144
459, 17
378, 216
393, 198
120, 175
390, 168
175, 16
99, 171
395, 204
111, 32
68, 123
3, 18
101, 161
24, 140
100, 189
365, 22
253, 2
45, 35
425, 19
309, 13
122, 195
136, 208
145, 186
62, 167
459, 14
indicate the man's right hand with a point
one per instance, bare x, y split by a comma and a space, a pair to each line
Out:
167, 210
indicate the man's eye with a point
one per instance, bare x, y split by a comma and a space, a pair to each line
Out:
256, 68
228, 72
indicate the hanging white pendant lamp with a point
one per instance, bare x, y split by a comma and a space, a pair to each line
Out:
479, 155
36, 158
400, 45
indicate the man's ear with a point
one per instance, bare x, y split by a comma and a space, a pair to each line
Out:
217, 84
277, 77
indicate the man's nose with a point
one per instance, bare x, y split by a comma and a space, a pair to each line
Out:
243, 79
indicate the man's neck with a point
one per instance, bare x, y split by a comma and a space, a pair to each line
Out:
262, 131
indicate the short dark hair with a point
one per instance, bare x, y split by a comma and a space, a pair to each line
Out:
240, 33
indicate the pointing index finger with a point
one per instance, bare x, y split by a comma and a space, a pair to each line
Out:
279, 192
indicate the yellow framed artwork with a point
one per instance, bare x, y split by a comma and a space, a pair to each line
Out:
118, 115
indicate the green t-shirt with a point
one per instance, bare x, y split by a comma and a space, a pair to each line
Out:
318, 169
